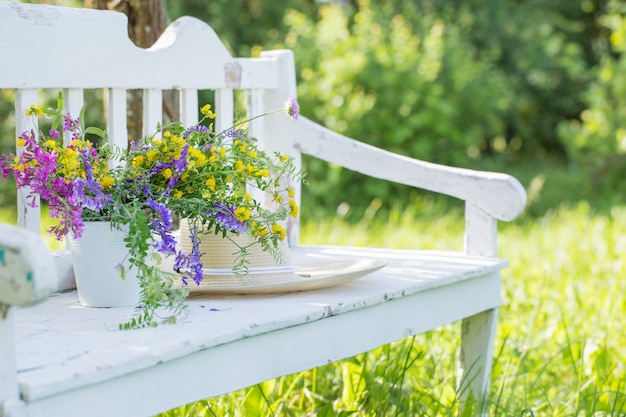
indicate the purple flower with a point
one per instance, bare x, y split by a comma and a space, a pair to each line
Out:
225, 217
70, 124
233, 133
196, 129
88, 194
292, 108
191, 264
54, 134
161, 224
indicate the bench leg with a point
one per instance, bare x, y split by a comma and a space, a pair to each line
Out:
476, 357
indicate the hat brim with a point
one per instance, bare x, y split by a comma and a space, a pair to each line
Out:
309, 276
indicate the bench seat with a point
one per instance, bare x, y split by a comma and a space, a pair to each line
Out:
70, 353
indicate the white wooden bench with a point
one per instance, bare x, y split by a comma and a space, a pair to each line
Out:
58, 359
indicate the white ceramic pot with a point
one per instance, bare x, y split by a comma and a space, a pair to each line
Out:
95, 257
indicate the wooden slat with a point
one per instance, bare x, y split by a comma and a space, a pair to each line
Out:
225, 109
152, 110
73, 102
116, 118
27, 217
189, 107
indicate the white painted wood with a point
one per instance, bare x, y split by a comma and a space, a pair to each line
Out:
152, 111
73, 102
225, 109
67, 355
117, 124
189, 107
27, 270
27, 276
499, 195
278, 130
9, 392
478, 334
416, 292
27, 216
481, 232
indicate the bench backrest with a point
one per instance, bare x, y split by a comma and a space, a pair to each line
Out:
75, 50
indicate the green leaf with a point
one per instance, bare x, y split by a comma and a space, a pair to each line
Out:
96, 131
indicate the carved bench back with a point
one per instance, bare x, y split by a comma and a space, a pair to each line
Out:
47, 49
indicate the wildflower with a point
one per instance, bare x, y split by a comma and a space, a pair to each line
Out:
161, 223
279, 230
292, 108
293, 208
233, 133
207, 112
242, 214
54, 134
191, 264
196, 129
225, 216
34, 110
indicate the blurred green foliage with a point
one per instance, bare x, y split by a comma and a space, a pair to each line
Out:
457, 83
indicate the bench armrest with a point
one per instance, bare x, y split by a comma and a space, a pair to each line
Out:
499, 195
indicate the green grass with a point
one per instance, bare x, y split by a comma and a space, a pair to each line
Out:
560, 347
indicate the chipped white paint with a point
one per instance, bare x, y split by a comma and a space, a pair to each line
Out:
27, 270
67, 355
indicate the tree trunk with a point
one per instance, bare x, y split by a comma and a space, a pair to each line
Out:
147, 19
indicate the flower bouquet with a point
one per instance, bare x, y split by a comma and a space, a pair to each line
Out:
204, 177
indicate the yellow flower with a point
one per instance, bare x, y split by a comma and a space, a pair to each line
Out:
252, 154
264, 173
50, 144
278, 198
151, 155
242, 213
167, 173
34, 110
251, 168
137, 161
106, 182
293, 208
259, 230
177, 194
239, 166
20, 142
197, 157
290, 192
222, 152
206, 110
279, 230
210, 182
284, 157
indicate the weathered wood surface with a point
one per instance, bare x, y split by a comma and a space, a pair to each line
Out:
65, 350
27, 270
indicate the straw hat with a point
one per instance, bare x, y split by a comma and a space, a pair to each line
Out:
265, 273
